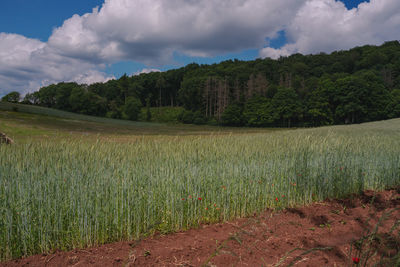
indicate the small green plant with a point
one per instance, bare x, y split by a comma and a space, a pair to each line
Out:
325, 225
337, 212
147, 253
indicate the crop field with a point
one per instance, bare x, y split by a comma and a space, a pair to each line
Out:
63, 191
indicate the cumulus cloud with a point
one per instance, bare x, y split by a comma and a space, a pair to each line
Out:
140, 30
326, 25
150, 32
27, 64
146, 70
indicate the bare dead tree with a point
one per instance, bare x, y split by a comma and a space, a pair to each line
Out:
261, 84
250, 87
206, 97
215, 96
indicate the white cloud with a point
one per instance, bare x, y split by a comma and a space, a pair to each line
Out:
151, 31
139, 30
145, 70
326, 25
91, 76
27, 64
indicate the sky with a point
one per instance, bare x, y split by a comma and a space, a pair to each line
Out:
46, 41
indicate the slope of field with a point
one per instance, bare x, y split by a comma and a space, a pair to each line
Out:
65, 193
38, 122
7, 106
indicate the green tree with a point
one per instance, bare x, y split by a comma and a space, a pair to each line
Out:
148, 111
12, 97
190, 93
97, 105
115, 111
78, 100
393, 108
360, 97
233, 115
132, 108
63, 93
259, 112
47, 95
31, 99
349, 96
287, 106
318, 105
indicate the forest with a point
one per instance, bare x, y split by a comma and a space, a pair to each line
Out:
358, 85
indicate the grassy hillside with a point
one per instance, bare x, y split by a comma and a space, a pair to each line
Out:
7, 106
63, 193
23, 122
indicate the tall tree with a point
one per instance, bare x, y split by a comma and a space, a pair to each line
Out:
11, 97
287, 106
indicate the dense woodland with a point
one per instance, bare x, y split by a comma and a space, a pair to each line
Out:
359, 85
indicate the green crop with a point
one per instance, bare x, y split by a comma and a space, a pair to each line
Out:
65, 194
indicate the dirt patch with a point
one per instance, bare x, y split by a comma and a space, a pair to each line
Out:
323, 234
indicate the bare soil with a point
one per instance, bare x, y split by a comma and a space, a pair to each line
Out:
329, 233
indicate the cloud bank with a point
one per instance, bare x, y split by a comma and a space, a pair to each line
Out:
151, 31
326, 26
27, 64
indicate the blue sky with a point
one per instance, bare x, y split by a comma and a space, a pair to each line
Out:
142, 35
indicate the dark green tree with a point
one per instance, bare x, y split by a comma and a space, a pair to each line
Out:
132, 108
318, 105
259, 112
393, 108
63, 93
233, 115
12, 97
31, 99
78, 100
148, 111
190, 93
287, 106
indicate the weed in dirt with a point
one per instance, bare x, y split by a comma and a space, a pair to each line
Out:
375, 248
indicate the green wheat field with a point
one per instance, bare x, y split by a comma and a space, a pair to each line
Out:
74, 182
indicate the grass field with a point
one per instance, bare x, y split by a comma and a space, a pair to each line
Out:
77, 184
33, 122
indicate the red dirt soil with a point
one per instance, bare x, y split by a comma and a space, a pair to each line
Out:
321, 234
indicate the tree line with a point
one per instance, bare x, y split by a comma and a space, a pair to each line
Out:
354, 86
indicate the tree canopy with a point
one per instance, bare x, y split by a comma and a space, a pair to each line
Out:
12, 97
